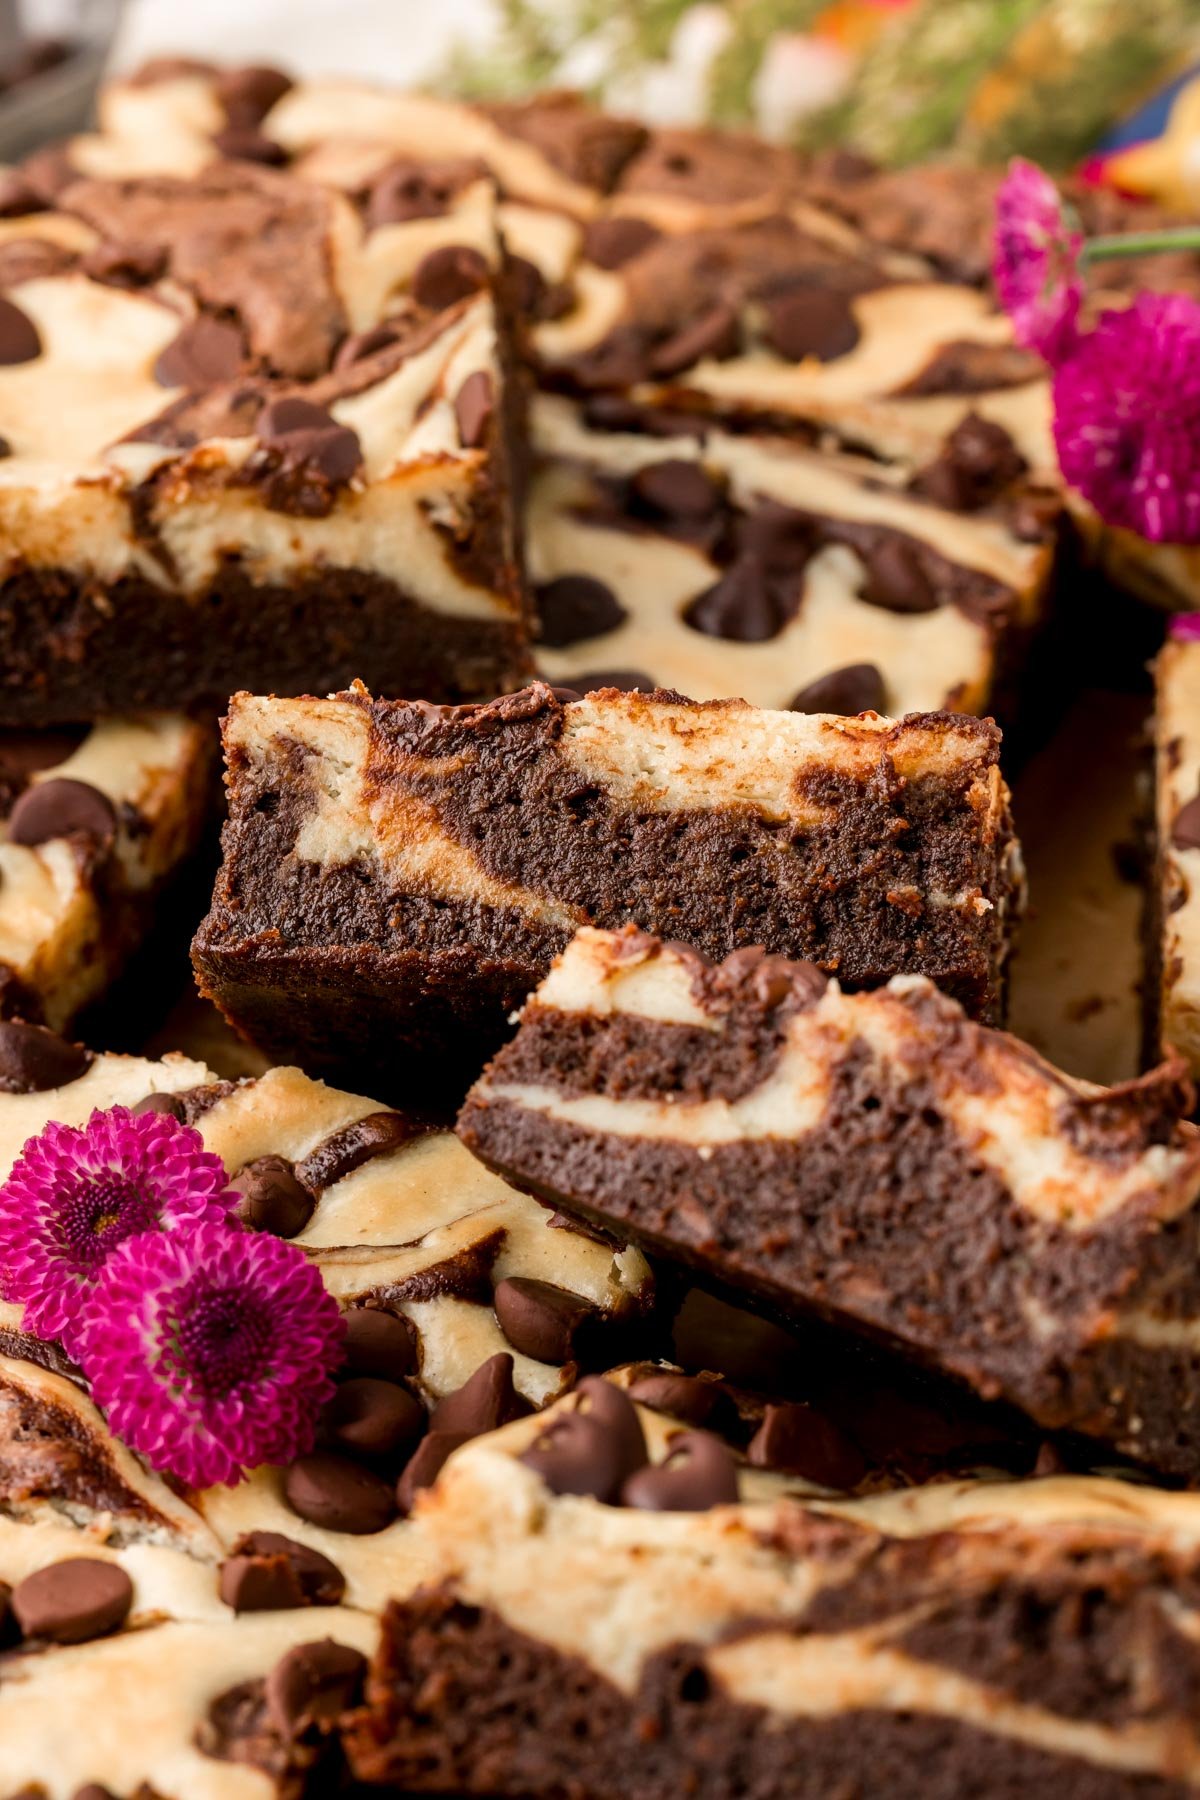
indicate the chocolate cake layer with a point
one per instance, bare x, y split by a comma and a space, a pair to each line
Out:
413, 870
877, 1159
980, 1638
1173, 975
254, 427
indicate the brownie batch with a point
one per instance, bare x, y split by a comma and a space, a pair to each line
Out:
606, 545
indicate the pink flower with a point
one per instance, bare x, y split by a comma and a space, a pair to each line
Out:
75, 1194
1185, 626
1036, 262
211, 1349
1127, 418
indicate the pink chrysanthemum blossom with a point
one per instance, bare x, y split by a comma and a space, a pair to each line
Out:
1127, 418
211, 1349
75, 1193
1036, 262
1185, 626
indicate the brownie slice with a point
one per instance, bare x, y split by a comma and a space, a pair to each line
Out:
398, 876
992, 1640
876, 1159
1173, 972
255, 429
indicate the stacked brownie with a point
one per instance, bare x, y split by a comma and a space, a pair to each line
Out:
1173, 939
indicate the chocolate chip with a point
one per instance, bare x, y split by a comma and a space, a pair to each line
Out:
62, 808
18, 197
572, 608
19, 340
526, 285
378, 1343
169, 1104
675, 489
267, 1572
1185, 833
590, 1451
372, 1418
447, 275
340, 1495
697, 1472
810, 322
856, 688
205, 352
73, 1601
626, 681
124, 265
474, 405
242, 143
33, 1060
741, 606
426, 1464
539, 1319
484, 1402
1050, 1461
312, 1686
800, 1440
406, 190
338, 1155
91, 1790
977, 461
8, 1625
610, 242
780, 536
896, 579
714, 336
306, 455
248, 93
271, 1197
683, 1396
365, 343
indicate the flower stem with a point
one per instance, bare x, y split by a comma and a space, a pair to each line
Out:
1140, 243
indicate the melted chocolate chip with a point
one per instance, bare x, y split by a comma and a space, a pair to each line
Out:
248, 93
976, 463
33, 1060
714, 336
123, 265
683, 1396
365, 343
675, 489
379, 1343
697, 1472
484, 1402
626, 681
800, 1440
91, 1790
308, 455
856, 688
337, 1156
17, 196
741, 606
73, 1601
373, 1418
610, 242
1185, 833
572, 608
205, 352
539, 1319
24, 754
590, 1452
896, 579
169, 1104
811, 322
272, 1199
19, 340
59, 809
242, 143
339, 1495
474, 404
267, 1572
312, 1686
408, 190
426, 1464
447, 275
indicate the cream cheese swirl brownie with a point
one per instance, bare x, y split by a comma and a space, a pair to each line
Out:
879, 1160
398, 876
1173, 975
96, 821
253, 428
664, 552
988, 1639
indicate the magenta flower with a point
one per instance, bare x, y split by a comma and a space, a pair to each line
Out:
1127, 418
75, 1194
1185, 626
1036, 262
211, 1349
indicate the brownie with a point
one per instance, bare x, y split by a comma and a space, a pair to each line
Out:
878, 1160
396, 877
664, 551
991, 1641
285, 454
96, 824
1173, 945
